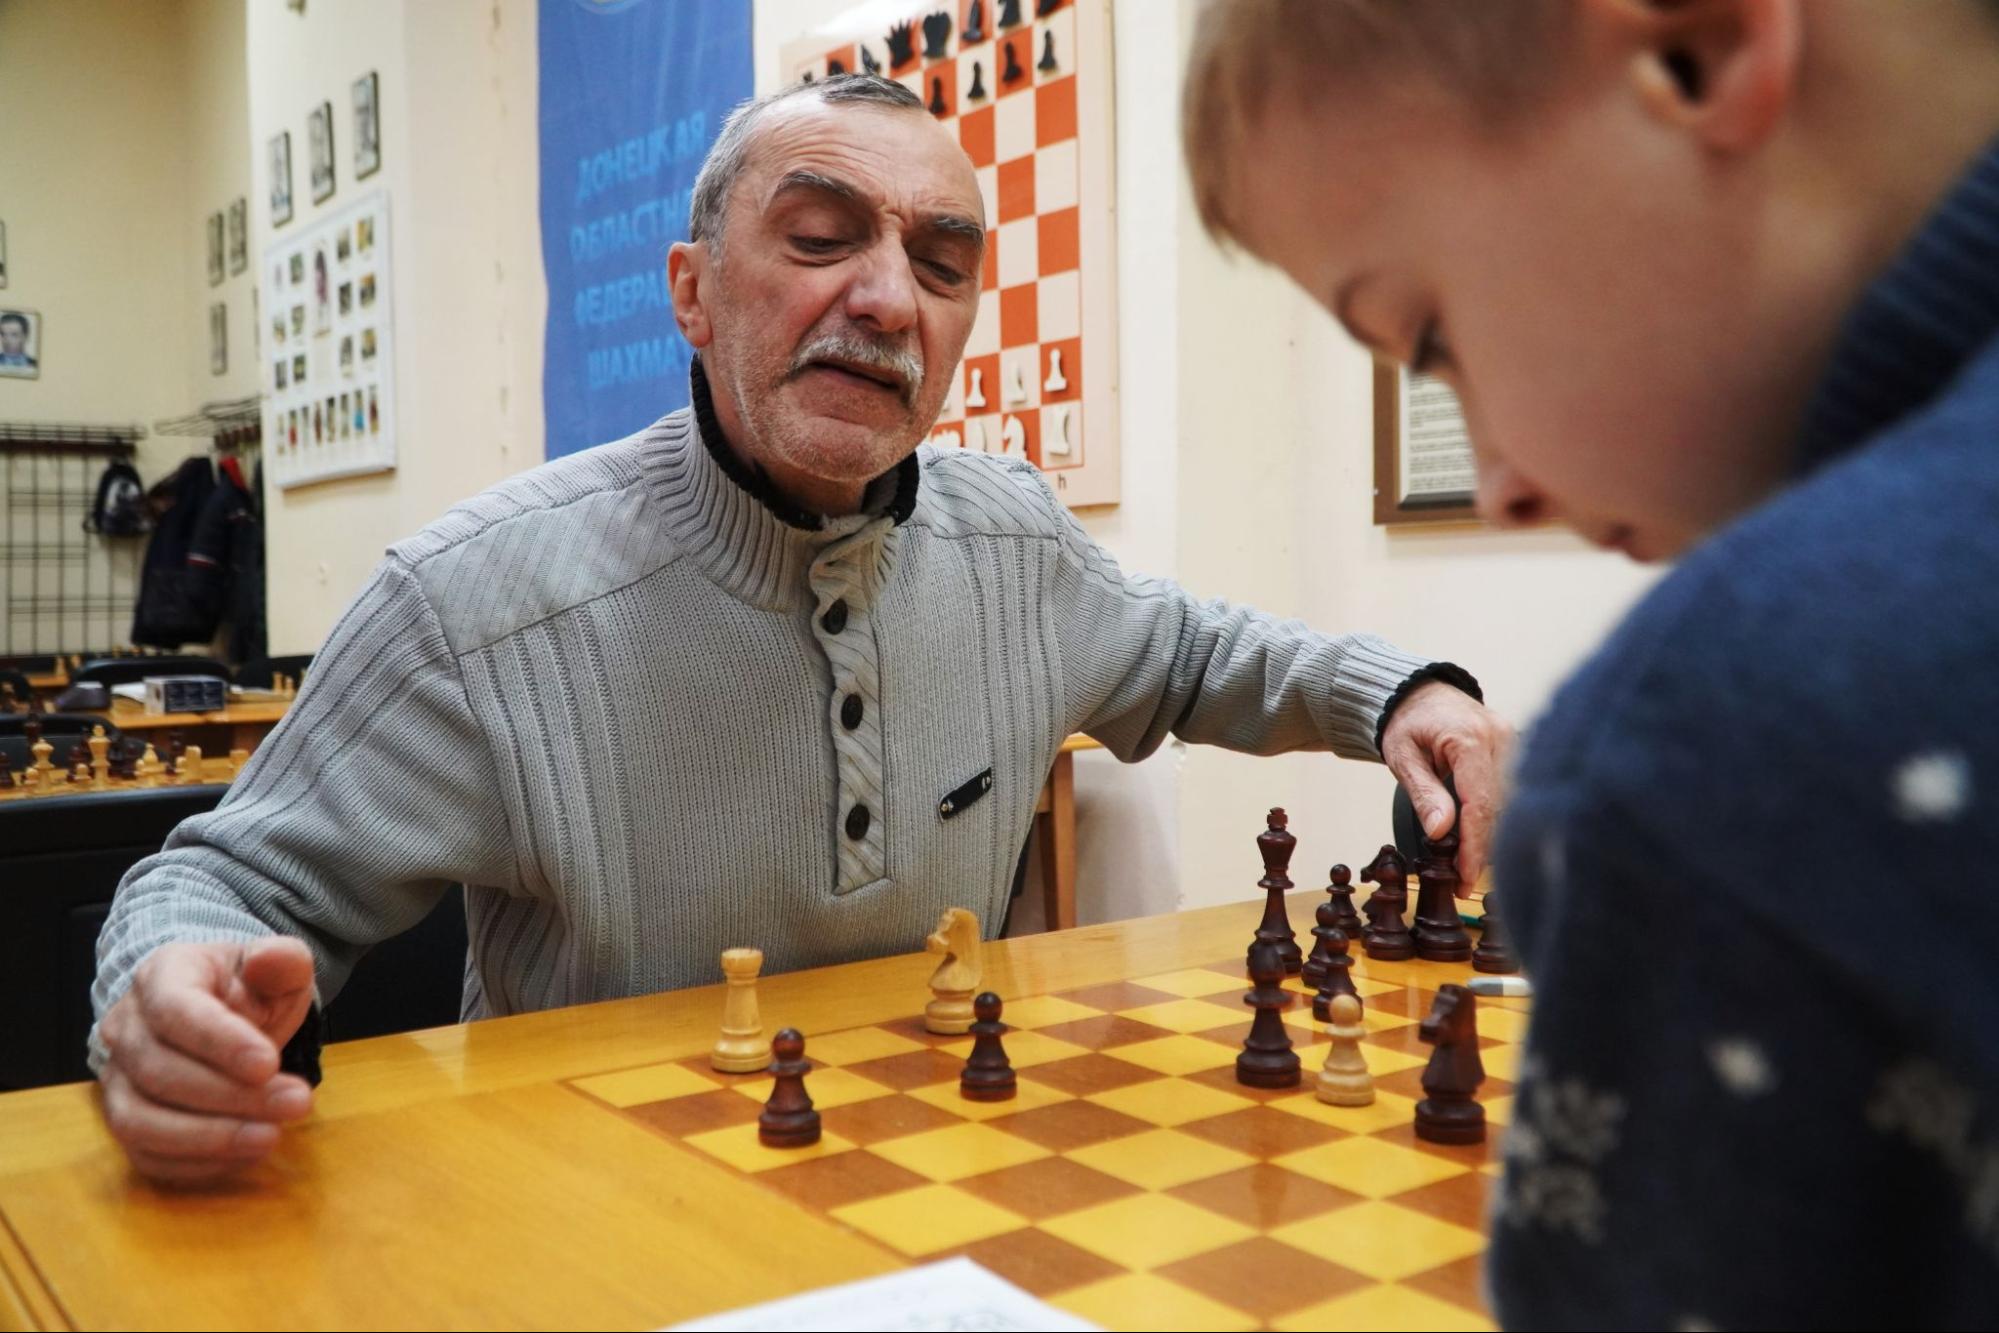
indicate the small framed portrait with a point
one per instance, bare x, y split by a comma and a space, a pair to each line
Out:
367, 345
298, 368
1423, 466
278, 329
218, 339
3, 255
215, 249
367, 290
343, 245
364, 234
346, 299
367, 126
284, 371
322, 293
239, 236
347, 358
20, 344
298, 267
281, 179
298, 321
319, 132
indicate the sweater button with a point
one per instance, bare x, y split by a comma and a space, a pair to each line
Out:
850, 712
858, 820
835, 618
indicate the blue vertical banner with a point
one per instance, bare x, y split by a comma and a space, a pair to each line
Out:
632, 94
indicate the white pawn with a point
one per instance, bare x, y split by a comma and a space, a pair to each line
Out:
947, 439
977, 397
1016, 389
742, 1048
1344, 1080
975, 434
1056, 381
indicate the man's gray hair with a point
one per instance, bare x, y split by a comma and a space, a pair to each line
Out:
710, 206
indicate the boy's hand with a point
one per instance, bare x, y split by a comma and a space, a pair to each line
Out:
1440, 731
192, 1089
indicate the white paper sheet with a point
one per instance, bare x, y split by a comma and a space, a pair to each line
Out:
954, 1295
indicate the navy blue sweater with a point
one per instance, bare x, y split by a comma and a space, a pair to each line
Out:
1752, 860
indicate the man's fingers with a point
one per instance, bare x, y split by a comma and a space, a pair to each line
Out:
1427, 793
278, 969
194, 1021
173, 1078
144, 1126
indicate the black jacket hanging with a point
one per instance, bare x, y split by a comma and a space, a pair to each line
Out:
179, 603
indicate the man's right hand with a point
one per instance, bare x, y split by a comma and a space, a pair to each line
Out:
192, 1089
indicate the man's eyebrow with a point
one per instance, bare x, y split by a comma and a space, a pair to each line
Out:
959, 225
812, 180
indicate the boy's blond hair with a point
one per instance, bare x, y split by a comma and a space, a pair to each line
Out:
1247, 53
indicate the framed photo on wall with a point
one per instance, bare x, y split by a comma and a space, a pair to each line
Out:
3, 254
281, 179
214, 249
239, 236
319, 132
218, 339
20, 344
367, 125
1423, 466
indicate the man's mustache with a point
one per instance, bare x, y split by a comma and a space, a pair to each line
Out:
899, 363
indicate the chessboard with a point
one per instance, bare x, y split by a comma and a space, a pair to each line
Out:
1132, 1180
86, 774
1025, 87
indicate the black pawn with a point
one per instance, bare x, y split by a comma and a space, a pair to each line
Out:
1314, 970
869, 65
1275, 844
1009, 13
1494, 952
975, 23
1013, 73
977, 91
834, 69
1047, 63
988, 1075
1338, 976
1267, 1060
788, 1120
1386, 937
1341, 892
1448, 1112
937, 107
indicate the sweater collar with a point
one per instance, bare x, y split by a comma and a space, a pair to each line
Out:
728, 519
1915, 327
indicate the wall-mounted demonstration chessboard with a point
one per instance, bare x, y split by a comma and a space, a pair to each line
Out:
1026, 87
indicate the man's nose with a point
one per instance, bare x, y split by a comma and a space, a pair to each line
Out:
883, 292
1505, 498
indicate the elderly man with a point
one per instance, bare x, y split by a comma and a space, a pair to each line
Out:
762, 674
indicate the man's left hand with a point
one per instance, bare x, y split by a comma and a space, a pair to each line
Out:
1439, 731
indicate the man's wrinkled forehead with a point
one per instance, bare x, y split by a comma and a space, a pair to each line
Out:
881, 157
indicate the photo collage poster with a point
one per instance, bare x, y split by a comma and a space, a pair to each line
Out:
329, 405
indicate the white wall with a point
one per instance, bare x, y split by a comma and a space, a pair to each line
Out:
458, 110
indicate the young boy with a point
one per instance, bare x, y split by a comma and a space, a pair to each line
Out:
1717, 280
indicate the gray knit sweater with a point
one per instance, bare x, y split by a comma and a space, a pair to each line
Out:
644, 716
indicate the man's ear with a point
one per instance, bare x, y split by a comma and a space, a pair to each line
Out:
687, 265
1726, 70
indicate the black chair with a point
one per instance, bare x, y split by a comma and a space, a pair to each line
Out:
108, 671
17, 682
31, 663
256, 673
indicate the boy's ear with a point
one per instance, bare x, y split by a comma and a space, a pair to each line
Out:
687, 264
1724, 69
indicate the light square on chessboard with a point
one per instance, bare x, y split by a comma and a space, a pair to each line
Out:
928, 1218
1467, 1155
1146, 1230
1177, 1055
1170, 1101
1024, 1049
1056, 184
1383, 1240
984, 339
857, 1044
1027, 1096
1366, 1165
1062, 24
1013, 128
652, 1083
975, 68
1146, 1300
1187, 1015
1161, 1159
1059, 301
1043, 1011
828, 1086
1020, 387
1019, 242
1371, 1019
1386, 1308
1386, 1109
1264, 1277
945, 1155
740, 1148
1195, 982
